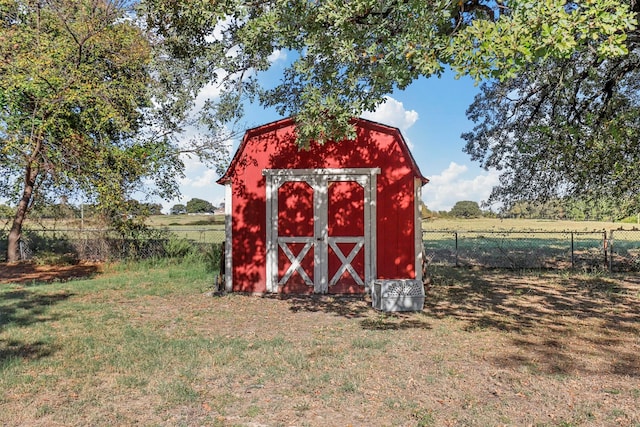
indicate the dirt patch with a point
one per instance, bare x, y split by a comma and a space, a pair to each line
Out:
26, 272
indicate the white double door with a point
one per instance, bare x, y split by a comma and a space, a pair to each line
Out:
320, 230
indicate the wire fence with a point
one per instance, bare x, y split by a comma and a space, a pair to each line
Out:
614, 250
107, 244
624, 250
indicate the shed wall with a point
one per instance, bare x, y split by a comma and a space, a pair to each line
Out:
274, 147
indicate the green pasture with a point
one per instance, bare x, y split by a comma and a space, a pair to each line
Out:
514, 249
171, 221
513, 224
491, 242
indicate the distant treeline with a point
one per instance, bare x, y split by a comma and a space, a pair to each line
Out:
572, 210
133, 208
558, 209
69, 211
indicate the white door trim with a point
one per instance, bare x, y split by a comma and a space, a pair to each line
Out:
228, 232
318, 180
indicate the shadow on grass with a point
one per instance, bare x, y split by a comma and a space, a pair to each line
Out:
339, 305
563, 324
353, 307
395, 322
21, 308
29, 273
12, 351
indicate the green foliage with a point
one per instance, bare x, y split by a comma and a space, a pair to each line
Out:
178, 209
348, 55
91, 104
213, 256
207, 221
54, 211
62, 114
53, 258
74, 94
49, 247
196, 205
566, 127
176, 247
576, 209
351, 54
136, 208
466, 209
95, 93
529, 32
634, 219
6, 211
136, 241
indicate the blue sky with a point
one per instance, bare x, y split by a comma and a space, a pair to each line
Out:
430, 113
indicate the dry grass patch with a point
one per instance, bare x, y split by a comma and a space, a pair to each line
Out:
146, 345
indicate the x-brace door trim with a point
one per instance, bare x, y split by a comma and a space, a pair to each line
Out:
318, 180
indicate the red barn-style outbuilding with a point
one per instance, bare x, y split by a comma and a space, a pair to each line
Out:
333, 218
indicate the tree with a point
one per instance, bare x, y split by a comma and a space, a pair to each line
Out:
154, 208
466, 209
564, 128
55, 211
6, 211
425, 213
349, 55
93, 93
91, 106
196, 205
178, 209
74, 82
143, 210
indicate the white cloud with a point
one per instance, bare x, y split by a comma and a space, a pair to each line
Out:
393, 113
451, 186
209, 91
277, 55
209, 177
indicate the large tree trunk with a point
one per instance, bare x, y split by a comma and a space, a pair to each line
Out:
13, 242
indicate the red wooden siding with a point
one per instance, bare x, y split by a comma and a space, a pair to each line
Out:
295, 218
345, 218
273, 147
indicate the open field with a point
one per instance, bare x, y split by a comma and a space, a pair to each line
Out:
213, 221
487, 242
145, 344
497, 224
537, 244
452, 224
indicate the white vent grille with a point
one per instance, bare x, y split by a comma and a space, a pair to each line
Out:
398, 295
403, 288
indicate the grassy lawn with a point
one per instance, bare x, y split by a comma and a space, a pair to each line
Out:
146, 344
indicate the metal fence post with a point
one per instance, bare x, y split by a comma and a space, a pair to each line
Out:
455, 234
572, 250
604, 247
610, 251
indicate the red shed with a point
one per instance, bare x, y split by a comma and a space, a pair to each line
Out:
330, 219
